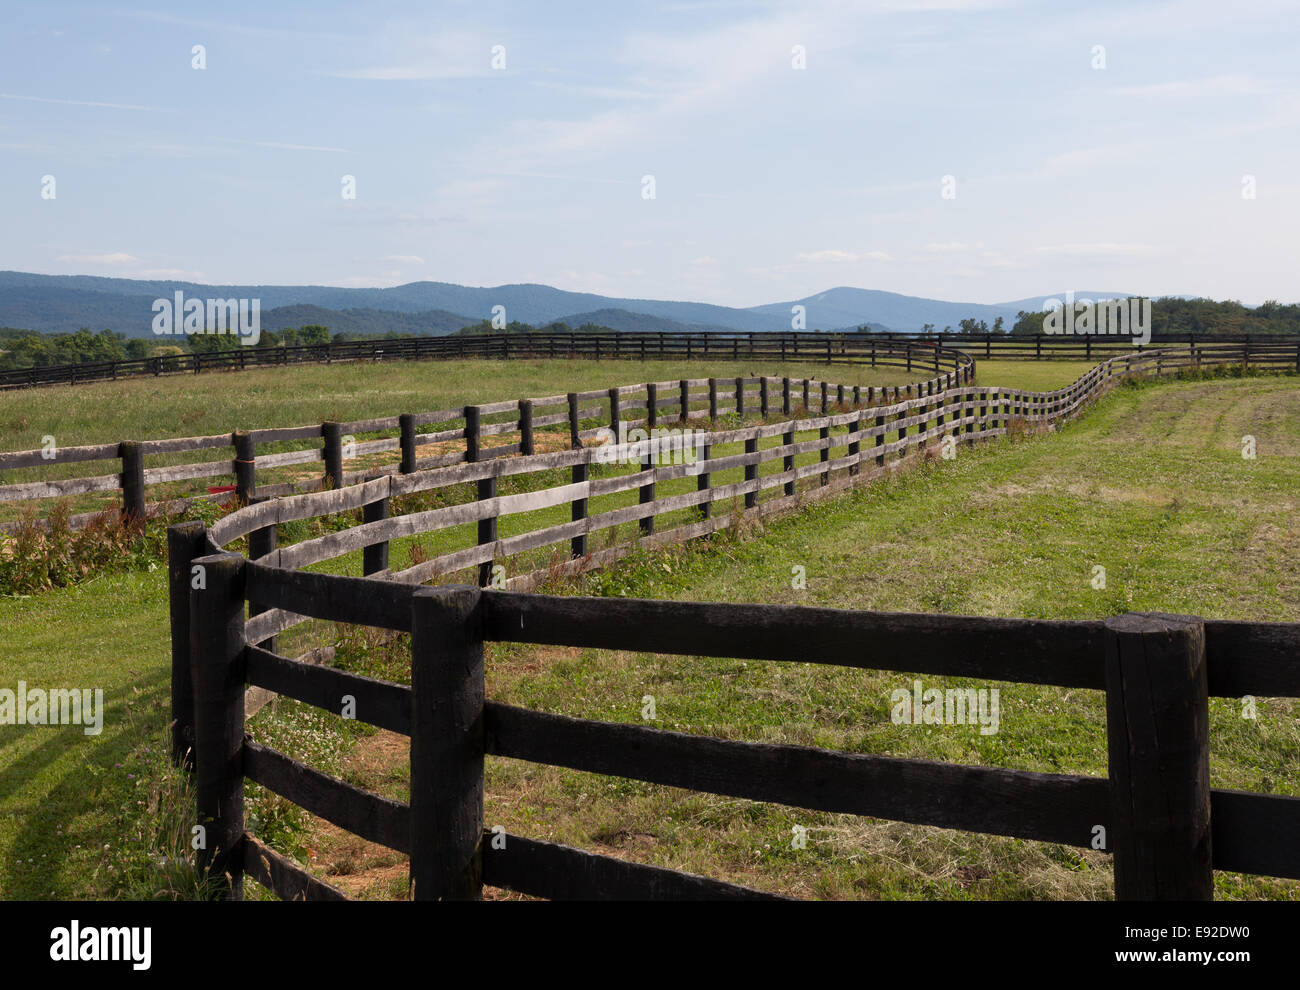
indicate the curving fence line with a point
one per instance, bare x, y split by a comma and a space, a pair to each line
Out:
443, 433
1167, 829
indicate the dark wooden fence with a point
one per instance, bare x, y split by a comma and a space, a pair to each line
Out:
666, 345
521, 416
1166, 827
439, 428
782, 465
1155, 811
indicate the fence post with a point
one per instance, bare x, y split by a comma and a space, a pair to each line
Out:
751, 472
787, 463
825, 397
713, 400
525, 427
614, 414
374, 557
785, 396
824, 455
807, 403
1157, 729
487, 487
855, 447
880, 441
575, 441
185, 542
217, 651
651, 402
685, 390
703, 480
134, 511
740, 398
407, 424
333, 453
245, 467
762, 395
578, 545
447, 744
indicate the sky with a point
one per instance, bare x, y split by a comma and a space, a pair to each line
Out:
956, 149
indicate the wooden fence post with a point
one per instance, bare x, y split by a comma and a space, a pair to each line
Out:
185, 542
763, 401
685, 388
487, 487
785, 396
578, 545
333, 434
575, 441
855, 446
615, 417
406, 423
646, 495
525, 427
880, 441
703, 483
751, 472
740, 398
825, 453
713, 400
447, 744
651, 404
787, 463
825, 397
134, 511
260, 543
374, 557
1157, 728
245, 467
217, 652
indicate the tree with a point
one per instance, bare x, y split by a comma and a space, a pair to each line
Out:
313, 333
997, 325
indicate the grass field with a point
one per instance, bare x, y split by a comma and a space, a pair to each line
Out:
1150, 485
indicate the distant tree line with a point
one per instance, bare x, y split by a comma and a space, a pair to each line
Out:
1170, 315
28, 348
21, 349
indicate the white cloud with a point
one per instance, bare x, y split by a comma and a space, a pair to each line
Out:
112, 258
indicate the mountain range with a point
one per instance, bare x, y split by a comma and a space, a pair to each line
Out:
65, 303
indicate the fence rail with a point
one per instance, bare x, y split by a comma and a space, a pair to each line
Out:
1155, 810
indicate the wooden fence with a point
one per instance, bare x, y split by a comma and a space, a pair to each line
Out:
519, 417
1166, 827
1155, 811
446, 427
666, 345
